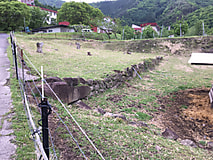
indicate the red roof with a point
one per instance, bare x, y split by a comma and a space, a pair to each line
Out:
49, 10
64, 23
151, 24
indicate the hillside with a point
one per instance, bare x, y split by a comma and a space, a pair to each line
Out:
141, 11
53, 3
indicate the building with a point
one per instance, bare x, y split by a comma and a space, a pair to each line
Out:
154, 26
27, 1
136, 28
106, 26
54, 29
52, 15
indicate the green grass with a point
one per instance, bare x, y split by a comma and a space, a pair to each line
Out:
114, 138
70, 62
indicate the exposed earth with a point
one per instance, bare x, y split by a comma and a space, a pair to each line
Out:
188, 113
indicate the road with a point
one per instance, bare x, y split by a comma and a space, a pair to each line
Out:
7, 149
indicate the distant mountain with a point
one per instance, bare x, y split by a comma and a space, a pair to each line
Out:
164, 12
53, 3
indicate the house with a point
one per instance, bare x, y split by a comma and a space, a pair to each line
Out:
154, 26
51, 13
136, 28
106, 26
54, 29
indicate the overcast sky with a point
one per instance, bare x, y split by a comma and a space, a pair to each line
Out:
87, 1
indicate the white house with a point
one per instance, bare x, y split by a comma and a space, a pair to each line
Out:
136, 27
51, 13
154, 26
53, 29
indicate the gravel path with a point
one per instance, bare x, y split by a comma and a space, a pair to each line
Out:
7, 149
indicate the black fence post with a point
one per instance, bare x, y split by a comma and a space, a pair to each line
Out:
13, 46
15, 59
45, 110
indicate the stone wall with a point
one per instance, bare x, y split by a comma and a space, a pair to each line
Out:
115, 80
71, 90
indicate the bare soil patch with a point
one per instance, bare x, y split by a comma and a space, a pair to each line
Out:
188, 113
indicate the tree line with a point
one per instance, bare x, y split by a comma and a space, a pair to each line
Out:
16, 16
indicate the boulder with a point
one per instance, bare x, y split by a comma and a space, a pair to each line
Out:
168, 133
83, 105
53, 79
71, 81
187, 142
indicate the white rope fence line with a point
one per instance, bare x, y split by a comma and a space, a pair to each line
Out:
66, 109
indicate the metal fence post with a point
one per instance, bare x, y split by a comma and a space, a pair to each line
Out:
13, 46
46, 110
22, 66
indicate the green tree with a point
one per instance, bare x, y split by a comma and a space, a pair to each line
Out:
148, 32
128, 32
13, 15
180, 27
78, 13
38, 17
199, 28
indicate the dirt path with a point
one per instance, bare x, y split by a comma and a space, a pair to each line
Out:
7, 149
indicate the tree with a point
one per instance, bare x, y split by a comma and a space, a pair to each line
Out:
78, 13
128, 32
148, 32
38, 17
180, 27
199, 28
13, 15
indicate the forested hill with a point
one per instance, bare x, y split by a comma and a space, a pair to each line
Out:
141, 11
53, 3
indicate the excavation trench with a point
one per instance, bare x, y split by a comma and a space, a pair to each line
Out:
188, 113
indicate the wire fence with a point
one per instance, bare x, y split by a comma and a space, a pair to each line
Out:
37, 109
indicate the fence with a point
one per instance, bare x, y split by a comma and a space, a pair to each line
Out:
27, 83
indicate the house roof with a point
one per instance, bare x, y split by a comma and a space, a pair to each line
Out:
64, 23
45, 9
135, 27
151, 24
49, 27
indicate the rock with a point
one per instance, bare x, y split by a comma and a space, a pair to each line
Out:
71, 81
63, 91
39, 47
187, 142
68, 94
115, 116
53, 79
100, 110
83, 105
210, 145
82, 81
139, 124
168, 133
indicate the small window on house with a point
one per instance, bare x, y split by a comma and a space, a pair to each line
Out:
50, 31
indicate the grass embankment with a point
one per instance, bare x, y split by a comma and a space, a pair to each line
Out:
25, 145
115, 138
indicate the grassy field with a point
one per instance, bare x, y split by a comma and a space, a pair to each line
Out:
116, 138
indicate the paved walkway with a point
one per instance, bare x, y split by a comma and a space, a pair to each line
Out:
6, 147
